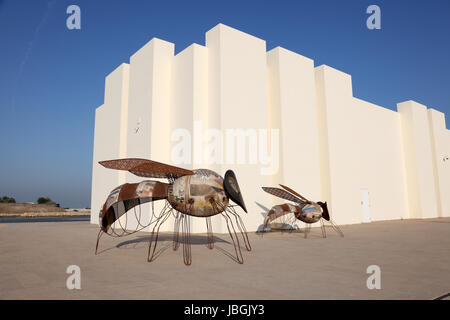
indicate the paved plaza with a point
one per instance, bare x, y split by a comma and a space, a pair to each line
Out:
413, 255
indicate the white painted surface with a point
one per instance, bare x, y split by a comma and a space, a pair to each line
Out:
361, 147
440, 138
190, 106
420, 182
332, 144
365, 206
109, 137
238, 89
293, 111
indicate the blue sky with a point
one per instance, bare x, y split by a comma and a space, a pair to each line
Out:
52, 78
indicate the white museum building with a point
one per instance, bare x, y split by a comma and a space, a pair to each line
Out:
301, 124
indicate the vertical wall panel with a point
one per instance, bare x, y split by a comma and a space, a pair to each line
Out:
418, 160
294, 105
238, 84
109, 137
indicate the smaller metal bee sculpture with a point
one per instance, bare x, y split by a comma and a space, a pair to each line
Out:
190, 193
304, 210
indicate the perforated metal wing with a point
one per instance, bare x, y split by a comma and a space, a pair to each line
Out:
146, 168
295, 193
283, 194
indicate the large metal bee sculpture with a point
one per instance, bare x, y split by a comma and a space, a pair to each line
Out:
189, 193
304, 210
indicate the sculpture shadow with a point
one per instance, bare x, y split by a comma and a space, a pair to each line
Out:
167, 237
165, 241
262, 232
265, 209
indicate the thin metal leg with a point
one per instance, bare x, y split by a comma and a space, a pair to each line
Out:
117, 229
176, 232
234, 238
291, 223
307, 229
324, 232
152, 244
186, 235
98, 239
231, 230
241, 227
336, 228
210, 233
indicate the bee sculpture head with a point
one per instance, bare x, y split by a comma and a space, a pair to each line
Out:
232, 189
325, 213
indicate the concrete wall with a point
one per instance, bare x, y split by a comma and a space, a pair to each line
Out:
110, 137
324, 142
238, 100
148, 134
363, 145
293, 111
417, 144
440, 145
189, 111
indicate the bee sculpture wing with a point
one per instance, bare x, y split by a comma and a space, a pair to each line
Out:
283, 194
295, 193
146, 168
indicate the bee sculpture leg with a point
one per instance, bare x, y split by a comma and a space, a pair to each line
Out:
176, 231
292, 224
164, 215
98, 239
336, 228
186, 237
234, 237
210, 233
307, 229
322, 226
241, 228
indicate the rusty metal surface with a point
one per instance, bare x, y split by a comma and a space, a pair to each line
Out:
283, 194
281, 210
130, 195
146, 168
128, 191
193, 194
294, 193
189, 193
308, 211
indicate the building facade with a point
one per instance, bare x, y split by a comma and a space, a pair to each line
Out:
301, 126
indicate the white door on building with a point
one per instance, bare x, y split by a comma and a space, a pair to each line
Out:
365, 205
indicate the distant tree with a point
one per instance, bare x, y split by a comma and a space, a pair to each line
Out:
43, 200
6, 199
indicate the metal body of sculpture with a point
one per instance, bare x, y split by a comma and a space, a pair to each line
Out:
304, 210
196, 193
